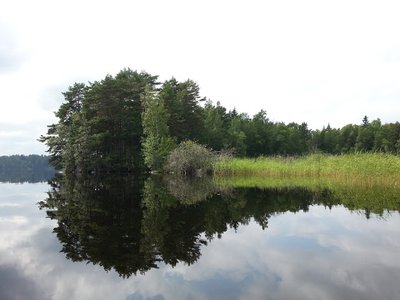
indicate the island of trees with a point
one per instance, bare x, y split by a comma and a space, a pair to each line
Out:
131, 122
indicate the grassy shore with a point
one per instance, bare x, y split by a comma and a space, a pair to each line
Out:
346, 165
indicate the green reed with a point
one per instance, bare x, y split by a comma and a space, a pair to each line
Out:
346, 165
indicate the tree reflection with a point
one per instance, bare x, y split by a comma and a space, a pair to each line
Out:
131, 224
99, 221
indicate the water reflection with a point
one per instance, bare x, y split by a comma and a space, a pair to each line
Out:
99, 220
131, 224
312, 245
27, 175
366, 195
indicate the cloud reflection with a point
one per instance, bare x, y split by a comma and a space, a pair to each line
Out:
15, 285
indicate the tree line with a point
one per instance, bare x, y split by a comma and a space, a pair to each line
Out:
130, 121
25, 168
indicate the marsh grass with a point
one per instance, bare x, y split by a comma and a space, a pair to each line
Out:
315, 165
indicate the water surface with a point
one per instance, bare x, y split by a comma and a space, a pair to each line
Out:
125, 238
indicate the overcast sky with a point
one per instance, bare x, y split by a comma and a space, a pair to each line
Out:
317, 61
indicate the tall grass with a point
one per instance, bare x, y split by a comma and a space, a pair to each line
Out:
346, 165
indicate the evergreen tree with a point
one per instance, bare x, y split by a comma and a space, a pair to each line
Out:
214, 126
182, 102
236, 136
100, 126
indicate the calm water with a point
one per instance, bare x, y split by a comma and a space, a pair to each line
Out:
122, 238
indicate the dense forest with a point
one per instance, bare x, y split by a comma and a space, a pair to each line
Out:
25, 168
131, 121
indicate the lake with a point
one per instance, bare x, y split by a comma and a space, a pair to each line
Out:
132, 238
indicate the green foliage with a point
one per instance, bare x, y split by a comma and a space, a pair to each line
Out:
156, 142
113, 110
123, 122
156, 151
128, 121
181, 100
191, 159
215, 123
100, 126
237, 136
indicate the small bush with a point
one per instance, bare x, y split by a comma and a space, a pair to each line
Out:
190, 159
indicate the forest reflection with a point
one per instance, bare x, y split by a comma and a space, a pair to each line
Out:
131, 224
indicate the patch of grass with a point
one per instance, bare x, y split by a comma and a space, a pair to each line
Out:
315, 165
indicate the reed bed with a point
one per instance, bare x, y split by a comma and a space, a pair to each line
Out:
315, 165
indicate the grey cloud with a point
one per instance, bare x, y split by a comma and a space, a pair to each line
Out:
138, 296
14, 285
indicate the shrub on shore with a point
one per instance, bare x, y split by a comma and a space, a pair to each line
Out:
190, 159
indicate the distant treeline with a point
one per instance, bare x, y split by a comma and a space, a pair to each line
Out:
25, 168
131, 120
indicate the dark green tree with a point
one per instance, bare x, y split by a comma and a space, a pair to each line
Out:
100, 125
348, 138
365, 137
182, 102
113, 114
259, 135
215, 124
236, 137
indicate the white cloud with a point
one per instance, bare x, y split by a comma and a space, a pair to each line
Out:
11, 55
